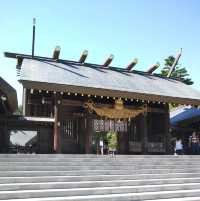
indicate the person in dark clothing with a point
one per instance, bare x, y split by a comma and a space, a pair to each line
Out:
194, 143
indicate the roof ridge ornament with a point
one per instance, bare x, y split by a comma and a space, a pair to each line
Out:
56, 52
83, 56
175, 63
153, 68
132, 64
108, 61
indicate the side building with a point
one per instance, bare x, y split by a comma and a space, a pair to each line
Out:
8, 105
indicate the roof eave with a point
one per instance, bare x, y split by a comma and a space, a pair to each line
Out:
106, 92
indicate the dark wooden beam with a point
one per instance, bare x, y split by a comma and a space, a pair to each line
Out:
88, 135
167, 133
108, 61
56, 53
75, 103
83, 56
57, 125
144, 132
153, 68
156, 110
19, 62
132, 64
13, 55
39, 100
175, 63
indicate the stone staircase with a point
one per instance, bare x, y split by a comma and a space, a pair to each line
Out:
95, 178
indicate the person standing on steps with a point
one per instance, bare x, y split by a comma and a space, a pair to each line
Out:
101, 145
179, 146
194, 143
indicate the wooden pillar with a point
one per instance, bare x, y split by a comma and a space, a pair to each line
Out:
4, 137
144, 132
123, 142
81, 134
24, 101
88, 135
57, 124
167, 133
26, 106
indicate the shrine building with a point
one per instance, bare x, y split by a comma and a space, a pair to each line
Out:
69, 102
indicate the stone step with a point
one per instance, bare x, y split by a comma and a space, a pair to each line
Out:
97, 163
106, 157
92, 156
108, 160
179, 195
101, 191
178, 199
95, 172
91, 184
42, 167
37, 179
85, 156
90, 177
53, 157
67, 161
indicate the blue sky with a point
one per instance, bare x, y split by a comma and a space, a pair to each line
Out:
150, 30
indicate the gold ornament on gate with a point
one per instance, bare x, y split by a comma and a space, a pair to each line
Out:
117, 111
119, 105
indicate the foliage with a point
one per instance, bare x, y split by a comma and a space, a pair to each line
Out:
179, 71
112, 140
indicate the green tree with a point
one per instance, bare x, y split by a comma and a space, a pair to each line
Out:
112, 140
179, 71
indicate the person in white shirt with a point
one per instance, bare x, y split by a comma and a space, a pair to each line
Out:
101, 146
179, 146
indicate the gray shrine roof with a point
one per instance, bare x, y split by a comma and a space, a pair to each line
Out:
94, 79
